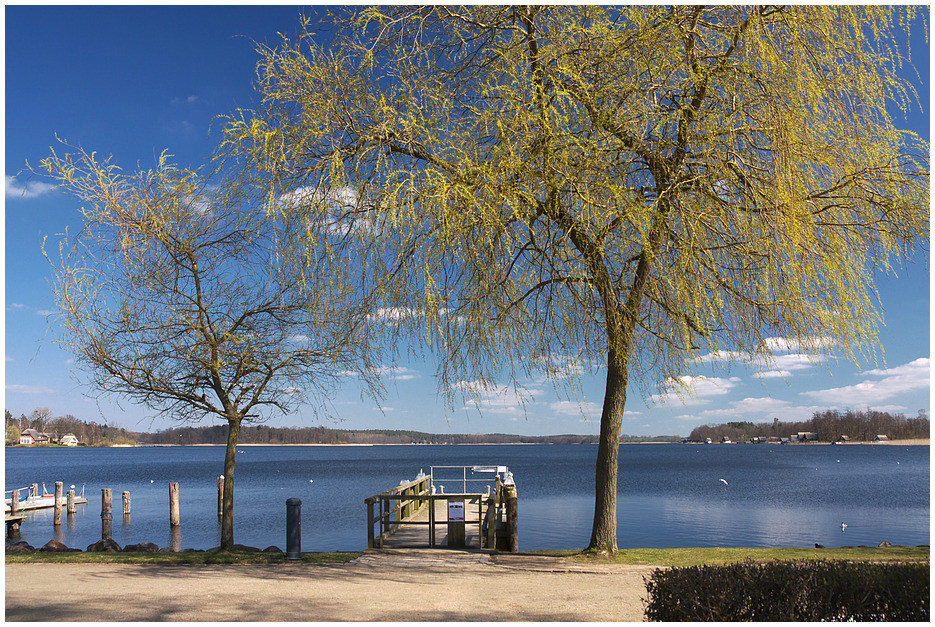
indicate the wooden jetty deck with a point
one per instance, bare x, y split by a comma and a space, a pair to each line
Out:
414, 532
413, 515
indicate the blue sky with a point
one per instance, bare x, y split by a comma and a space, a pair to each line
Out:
134, 81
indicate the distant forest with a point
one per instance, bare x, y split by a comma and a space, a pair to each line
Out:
262, 434
830, 426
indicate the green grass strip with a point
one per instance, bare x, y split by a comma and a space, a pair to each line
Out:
642, 557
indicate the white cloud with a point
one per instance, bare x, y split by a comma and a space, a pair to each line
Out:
899, 380
396, 373
575, 408
802, 354
189, 100
29, 189
754, 409
772, 374
14, 306
8, 358
493, 398
694, 390
788, 345
392, 315
29, 389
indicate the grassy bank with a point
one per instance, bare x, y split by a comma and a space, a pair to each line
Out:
713, 556
650, 557
205, 557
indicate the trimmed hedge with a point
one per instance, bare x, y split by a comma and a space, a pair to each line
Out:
806, 590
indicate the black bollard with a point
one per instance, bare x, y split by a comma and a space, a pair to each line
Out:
293, 529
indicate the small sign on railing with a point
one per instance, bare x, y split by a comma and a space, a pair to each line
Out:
456, 511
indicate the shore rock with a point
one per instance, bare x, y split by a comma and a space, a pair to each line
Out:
104, 546
167, 549
20, 546
272, 549
884, 543
55, 546
142, 547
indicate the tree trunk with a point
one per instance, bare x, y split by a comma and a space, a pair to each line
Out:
604, 531
227, 515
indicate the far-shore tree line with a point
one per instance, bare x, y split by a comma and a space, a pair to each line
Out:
89, 433
829, 426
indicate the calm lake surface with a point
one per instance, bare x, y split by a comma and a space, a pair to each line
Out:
670, 495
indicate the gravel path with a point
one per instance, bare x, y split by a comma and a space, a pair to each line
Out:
387, 585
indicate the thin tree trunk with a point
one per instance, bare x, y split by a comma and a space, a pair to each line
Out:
604, 530
227, 515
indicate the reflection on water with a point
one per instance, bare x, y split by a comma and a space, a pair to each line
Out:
669, 495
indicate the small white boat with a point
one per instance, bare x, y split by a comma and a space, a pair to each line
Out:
41, 501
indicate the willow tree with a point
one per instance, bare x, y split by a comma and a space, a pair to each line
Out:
182, 294
633, 186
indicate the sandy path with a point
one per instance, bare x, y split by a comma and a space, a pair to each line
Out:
392, 586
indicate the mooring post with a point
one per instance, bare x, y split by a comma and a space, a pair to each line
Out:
174, 504
512, 518
107, 513
220, 496
70, 501
293, 529
14, 502
126, 504
34, 489
57, 515
175, 539
369, 524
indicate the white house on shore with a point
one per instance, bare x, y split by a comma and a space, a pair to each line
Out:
68, 439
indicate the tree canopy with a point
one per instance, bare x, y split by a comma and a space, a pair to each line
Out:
632, 186
180, 292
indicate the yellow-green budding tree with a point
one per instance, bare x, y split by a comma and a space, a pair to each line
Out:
632, 186
183, 294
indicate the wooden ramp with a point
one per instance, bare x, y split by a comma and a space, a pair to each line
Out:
413, 532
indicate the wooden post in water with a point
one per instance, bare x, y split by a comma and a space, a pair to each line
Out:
370, 539
70, 502
34, 490
57, 515
512, 518
174, 504
126, 504
107, 513
220, 496
14, 502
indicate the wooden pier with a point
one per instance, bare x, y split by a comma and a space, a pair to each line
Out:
412, 516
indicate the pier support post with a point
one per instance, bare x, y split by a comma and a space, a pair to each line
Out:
293, 529
107, 513
220, 496
174, 504
57, 515
14, 502
126, 504
70, 503
512, 518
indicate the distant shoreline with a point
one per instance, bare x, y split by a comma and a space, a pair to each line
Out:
912, 442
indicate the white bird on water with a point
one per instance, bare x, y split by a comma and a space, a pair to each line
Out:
725, 481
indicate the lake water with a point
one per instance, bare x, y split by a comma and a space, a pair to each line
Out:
669, 495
